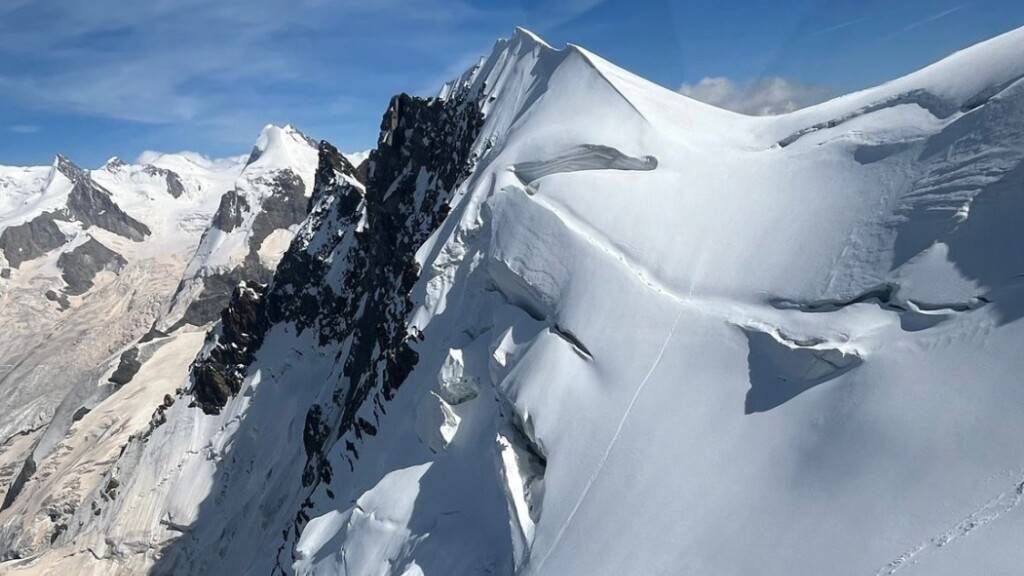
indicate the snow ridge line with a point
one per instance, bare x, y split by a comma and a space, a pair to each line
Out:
588, 59
611, 443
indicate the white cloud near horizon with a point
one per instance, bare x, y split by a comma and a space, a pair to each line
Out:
766, 96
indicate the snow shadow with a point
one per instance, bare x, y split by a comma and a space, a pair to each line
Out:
985, 240
779, 373
986, 247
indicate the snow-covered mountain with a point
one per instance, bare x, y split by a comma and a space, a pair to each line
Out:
575, 323
92, 263
252, 227
87, 259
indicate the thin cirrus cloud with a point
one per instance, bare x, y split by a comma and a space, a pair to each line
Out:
765, 96
207, 65
163, 62
840, 26
24, 128
933, 17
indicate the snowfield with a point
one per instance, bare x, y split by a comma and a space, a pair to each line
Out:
575, 323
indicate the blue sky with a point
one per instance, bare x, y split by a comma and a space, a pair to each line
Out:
116, 77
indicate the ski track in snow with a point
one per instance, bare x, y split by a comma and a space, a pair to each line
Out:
989, 512
611, 443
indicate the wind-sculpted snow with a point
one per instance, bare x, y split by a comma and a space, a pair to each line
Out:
585, 157
575, 323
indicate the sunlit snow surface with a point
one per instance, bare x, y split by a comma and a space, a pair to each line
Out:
699, 343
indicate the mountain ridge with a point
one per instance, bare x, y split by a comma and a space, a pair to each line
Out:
569, 311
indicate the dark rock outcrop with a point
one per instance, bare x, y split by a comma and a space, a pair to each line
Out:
60, 299
216, 292
31, 240
372, 235
231, 211
128, 366
174, 185
87, 203
363, 171
219, 374
285, 207
377, 257
92, 205
81, 265
346, 279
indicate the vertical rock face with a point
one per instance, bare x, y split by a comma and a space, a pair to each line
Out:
349, 274
368, 245
230, 212
219, 374
285, 207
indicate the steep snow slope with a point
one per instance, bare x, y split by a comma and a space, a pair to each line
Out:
575, 323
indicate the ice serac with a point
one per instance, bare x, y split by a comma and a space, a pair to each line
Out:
575, 323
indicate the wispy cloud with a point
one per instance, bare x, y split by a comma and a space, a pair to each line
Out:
766, 96
934, 17
548, 16
839, 26
24, 128
208, 64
